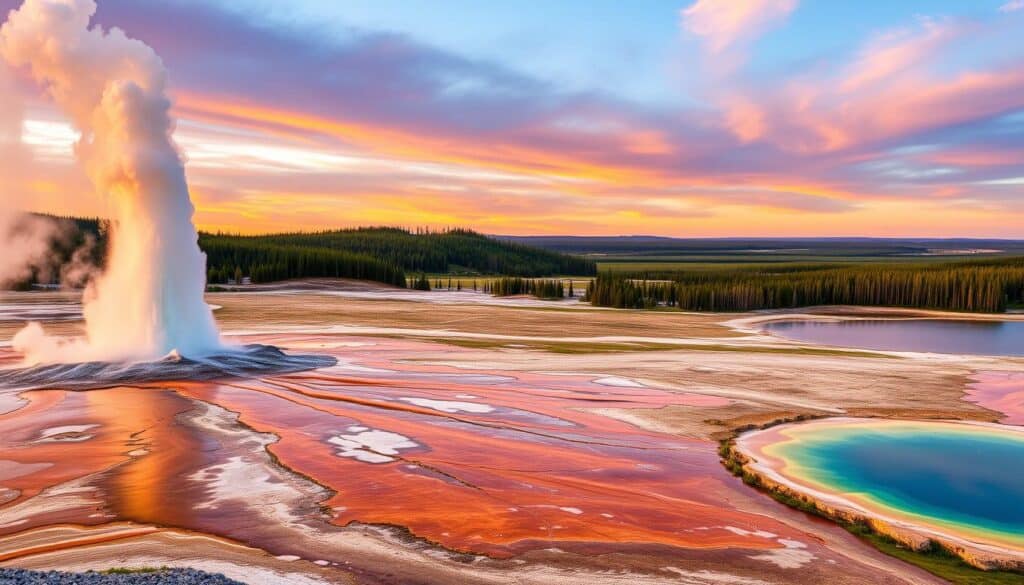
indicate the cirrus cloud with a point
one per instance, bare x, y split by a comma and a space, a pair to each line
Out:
1012, 6
723, 24
287, 128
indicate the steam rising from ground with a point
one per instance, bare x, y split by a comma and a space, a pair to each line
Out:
25, 242
149, 301
24, 239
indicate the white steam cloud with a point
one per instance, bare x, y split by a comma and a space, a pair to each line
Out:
149, 301
24, 239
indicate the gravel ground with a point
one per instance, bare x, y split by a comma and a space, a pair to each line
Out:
168, 577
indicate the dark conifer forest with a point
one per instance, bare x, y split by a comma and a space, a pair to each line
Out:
380, 254
974, 286
540, 288
439, 252
384, 255
392, 256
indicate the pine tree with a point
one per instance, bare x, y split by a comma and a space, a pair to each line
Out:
986, 286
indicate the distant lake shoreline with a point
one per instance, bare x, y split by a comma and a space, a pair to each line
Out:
927, 335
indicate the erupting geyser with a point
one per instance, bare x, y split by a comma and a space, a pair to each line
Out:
149, 301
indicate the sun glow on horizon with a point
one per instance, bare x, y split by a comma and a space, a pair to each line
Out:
808, 153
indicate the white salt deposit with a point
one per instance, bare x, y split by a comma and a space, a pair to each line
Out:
450, 407
54, 434
618, 382
372, 446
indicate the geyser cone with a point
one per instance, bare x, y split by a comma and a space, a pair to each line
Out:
150, 299
240, 362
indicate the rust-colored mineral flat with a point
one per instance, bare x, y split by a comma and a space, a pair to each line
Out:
493, 463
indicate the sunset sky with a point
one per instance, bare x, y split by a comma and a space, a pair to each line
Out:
678, 118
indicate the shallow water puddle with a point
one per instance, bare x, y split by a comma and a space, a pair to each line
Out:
999, 391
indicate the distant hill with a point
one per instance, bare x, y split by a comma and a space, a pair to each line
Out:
384, 255
232, 258
454, 251
645, 246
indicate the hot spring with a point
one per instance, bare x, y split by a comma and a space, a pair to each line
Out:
960, 481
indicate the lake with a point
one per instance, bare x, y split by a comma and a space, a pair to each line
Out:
997, 338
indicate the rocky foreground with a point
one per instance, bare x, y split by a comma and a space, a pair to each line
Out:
168, 577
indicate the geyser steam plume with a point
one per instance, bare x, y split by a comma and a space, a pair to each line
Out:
24, 239
149, 301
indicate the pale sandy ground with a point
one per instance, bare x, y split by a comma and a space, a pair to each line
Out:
765, 378
721, 355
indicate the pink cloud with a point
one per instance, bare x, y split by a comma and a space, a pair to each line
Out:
277, 138
727, 23
1012, 6
976, 157
745, 119
897, 85
897, 53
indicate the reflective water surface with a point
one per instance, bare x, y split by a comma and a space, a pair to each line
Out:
999, 338
962, 478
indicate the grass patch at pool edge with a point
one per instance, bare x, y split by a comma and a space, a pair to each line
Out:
936, 559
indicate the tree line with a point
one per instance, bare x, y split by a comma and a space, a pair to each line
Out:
231, 258
378, 254
450, 251
989, 286
542, 289
500, 287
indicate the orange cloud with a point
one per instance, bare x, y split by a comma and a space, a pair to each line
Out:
407, 143
786, 156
